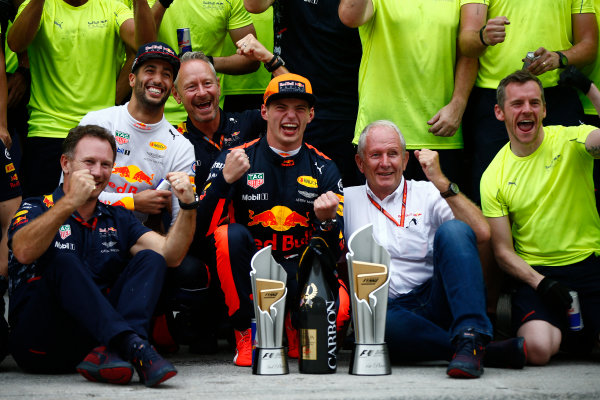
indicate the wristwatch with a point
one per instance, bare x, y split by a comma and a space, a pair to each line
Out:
453, 190
328, 224
563, 61
190, 206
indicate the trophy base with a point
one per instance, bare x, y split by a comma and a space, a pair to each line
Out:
370, 359
270, 361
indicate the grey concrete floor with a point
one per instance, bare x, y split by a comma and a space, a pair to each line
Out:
215, 376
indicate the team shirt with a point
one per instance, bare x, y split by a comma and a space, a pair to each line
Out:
145, 154
533, 24
407, 69
103, 243
410, 245
75, 59
548, 197
209, 23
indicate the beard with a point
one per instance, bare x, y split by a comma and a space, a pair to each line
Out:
151, 103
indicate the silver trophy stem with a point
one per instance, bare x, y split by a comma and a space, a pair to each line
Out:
270, 361
370, 355
370, 359
269, 355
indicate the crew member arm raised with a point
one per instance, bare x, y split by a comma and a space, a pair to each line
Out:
475, 35
250, 47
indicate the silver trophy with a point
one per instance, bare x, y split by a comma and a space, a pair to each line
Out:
269, 292
368, 271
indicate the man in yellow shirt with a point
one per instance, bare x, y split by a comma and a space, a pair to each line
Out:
538, 196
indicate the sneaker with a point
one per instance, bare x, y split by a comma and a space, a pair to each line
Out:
243, 348
104, 365
150, 366
292, 338
467, 360
509, 353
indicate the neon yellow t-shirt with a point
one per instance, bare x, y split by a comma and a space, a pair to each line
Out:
256, 82
407, 69
74, 62
533, 24
209, 23
548, 197
592, 71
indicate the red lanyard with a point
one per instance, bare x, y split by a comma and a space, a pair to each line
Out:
85, 223
387, 214
218, 146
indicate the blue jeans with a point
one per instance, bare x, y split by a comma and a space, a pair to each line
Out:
421, 324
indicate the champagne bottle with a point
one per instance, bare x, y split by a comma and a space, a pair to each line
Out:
317, 323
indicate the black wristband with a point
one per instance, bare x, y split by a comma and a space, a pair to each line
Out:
190, 206
166, 3
481, 36
211, 59
271, 62
273, 66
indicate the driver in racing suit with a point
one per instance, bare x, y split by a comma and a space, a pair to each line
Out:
276, 191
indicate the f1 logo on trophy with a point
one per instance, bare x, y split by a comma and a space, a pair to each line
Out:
269, 293
368, 266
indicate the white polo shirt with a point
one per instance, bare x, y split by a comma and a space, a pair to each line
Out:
410, 246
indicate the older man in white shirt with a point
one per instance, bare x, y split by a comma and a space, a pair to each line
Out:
437, 296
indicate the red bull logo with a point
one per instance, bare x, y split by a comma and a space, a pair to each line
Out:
9, 168
48, 201
141, 177
122, 171
279, 218
131, 173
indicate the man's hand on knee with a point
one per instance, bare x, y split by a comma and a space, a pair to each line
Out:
554, 294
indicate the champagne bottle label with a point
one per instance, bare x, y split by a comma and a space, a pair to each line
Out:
308, 343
